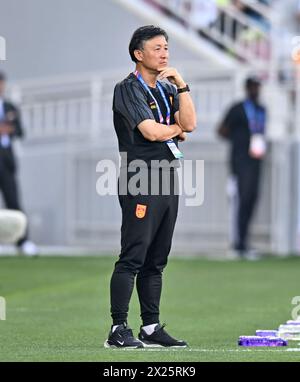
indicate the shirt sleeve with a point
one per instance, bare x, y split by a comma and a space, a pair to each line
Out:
130, 101
14, 118
229, 118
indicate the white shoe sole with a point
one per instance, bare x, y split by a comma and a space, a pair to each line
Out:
108, 346
161, 346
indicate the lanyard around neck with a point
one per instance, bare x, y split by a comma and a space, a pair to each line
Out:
172, 146
256, 118
146, 87
2, 111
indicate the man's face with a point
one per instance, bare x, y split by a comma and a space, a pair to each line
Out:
155, 53
253, 92
2, 88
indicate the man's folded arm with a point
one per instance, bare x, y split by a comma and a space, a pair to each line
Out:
154, 131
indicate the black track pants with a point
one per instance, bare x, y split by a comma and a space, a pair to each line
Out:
148, 223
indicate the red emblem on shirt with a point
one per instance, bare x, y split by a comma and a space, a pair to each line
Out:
140, 211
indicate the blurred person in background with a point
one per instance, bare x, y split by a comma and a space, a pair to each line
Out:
11, 128
244, 127
202, 13
252, 13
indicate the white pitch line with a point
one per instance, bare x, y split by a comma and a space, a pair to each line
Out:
21, 309
266, 349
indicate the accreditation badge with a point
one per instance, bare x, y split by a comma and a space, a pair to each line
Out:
10, 116
258, 146
5, 141
175, 150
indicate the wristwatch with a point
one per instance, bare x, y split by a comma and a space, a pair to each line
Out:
183, 90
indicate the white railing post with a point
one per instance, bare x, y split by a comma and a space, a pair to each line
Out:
96, 92
16, 94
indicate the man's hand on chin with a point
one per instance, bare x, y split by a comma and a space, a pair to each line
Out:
172, 75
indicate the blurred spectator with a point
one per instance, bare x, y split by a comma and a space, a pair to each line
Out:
265, 2
252, 14
244, 127
11, 128
198, 13
202, 13
255, 40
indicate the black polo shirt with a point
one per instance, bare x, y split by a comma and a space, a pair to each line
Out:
237, 123
132, 104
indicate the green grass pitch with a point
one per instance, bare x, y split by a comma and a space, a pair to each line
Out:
58, 309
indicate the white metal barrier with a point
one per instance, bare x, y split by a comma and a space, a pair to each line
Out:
82, 107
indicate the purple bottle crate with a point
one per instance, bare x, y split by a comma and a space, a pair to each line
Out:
261, 341
294, 323
267, 333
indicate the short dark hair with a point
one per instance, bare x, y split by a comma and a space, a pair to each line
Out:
143, 34
2, 76
252, 80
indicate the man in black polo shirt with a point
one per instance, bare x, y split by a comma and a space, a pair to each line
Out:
150, 117
244, 126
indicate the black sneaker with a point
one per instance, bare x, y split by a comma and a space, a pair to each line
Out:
160, 338
122, 337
